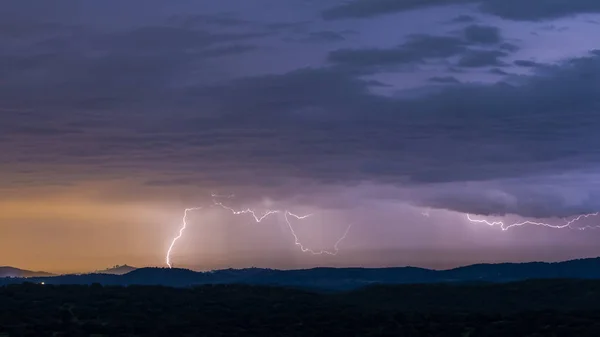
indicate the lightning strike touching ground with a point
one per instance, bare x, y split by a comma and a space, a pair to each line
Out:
517, 224
257, 218
181, 230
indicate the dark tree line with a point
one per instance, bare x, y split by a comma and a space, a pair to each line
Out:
532, 308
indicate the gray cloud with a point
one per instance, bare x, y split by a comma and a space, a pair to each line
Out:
482, 34
94, 69
368, 8
464, 19
509, 47
234, 49
444, 79
498, 71
324, 36
539, 9
481, 58
156, 38
526, 63
517, 197
421, 48
465, 132
417, 49
204, 20
509, 9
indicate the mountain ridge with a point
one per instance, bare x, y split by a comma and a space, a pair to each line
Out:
331, 278
7, 271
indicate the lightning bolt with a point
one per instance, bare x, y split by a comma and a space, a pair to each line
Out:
258, 218
181, 230
517, 224
248, 211
304, 249
226, 196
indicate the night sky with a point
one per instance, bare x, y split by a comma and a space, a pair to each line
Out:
397, 117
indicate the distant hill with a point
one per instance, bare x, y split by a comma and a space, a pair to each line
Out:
16, 272
333, 278
117, 270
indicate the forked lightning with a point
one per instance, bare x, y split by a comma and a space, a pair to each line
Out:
257, 218
287, 214
567, 224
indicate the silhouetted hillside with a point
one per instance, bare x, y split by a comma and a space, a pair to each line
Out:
16, 272
337, 278
581, 268
117, 270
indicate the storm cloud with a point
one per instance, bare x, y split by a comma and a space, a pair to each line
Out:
383, 117
324, 124
509, 9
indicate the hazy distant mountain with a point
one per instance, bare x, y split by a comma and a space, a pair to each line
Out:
117, 270
334, 278
16, 272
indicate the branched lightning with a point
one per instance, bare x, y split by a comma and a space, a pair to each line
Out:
304, 249
247, 211
567, 224
257, 218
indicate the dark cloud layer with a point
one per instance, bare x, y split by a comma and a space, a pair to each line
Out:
481, 58
444, 79
418, 48
324, 36
534, 203
463, 19
367, 8
482, 34
115, 115
151, 101
423, 48
526, 63
325, 125
89, 69
510, 9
